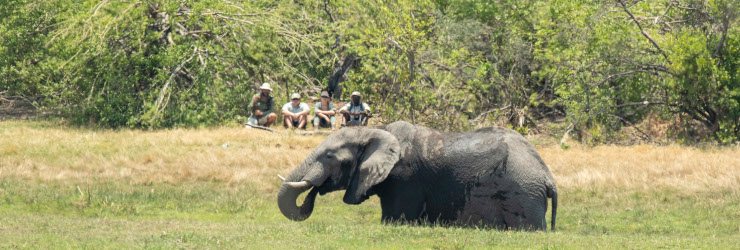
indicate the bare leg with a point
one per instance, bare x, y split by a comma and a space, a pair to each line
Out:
325, 117
270, 119
302, 121
345, 119
364, 120
288, 122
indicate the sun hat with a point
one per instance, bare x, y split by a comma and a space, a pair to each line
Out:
266, 86
324, 94
295, 96
356, 93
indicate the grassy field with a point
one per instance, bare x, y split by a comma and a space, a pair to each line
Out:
215, 188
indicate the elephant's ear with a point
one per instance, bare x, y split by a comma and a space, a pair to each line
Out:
380, 152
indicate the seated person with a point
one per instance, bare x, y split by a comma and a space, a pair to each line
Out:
261, 108
295, 112
356, 112
324, 112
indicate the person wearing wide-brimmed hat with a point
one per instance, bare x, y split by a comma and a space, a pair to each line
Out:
324, 112
295, 112
356, 112
261, 107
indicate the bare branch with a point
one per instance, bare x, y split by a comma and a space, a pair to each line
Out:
643, 103
162, 93
647, 137
222, 13
484, 114
725, 26
644, 33
195, 32
233, 19
395, 44
326, 9
437, 64
664, 13
571, 126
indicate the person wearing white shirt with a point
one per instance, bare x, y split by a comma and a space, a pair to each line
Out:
295, 112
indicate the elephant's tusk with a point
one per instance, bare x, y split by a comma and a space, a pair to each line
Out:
298, 184
281, 177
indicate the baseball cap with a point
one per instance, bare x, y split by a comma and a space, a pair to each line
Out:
356, 93
295, 96
324, 94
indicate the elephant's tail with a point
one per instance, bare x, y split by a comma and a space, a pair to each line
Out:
553, 193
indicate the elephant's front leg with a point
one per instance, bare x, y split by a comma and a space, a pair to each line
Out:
403, 205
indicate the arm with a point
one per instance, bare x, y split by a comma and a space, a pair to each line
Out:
305, 109
317, 109
331, 111
366, 109
345, 109
286, 112
320, 113
252, 105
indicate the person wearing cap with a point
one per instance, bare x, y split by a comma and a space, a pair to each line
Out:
295, 112
261, 107
356, 112
324, 112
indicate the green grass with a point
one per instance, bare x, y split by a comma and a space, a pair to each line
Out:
214, 215
80, 188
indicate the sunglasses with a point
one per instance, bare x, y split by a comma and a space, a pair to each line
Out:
296, 99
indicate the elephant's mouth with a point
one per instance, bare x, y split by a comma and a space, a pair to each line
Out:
289, 192
331, 185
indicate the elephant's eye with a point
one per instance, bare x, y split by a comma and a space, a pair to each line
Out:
330, 156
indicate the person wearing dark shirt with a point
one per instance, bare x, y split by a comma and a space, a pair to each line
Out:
261, 107
356, 112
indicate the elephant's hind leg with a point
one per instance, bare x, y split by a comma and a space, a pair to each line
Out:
525, 215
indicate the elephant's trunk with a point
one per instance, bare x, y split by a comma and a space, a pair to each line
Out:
308, 174
288, 195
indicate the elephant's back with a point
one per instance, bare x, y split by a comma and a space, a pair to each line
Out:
520, 153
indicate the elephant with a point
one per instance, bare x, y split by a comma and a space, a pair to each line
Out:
491, 177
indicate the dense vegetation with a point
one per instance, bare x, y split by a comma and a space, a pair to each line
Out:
586, 67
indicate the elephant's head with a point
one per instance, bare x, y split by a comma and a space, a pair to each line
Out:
351, 159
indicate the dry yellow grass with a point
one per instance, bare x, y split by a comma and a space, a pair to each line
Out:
645, 167
256, 156
229, 155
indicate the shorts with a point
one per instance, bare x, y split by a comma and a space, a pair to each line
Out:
322, 122
255, 121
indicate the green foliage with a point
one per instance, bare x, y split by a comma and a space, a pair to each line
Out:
607, 72
158, 64
449, 64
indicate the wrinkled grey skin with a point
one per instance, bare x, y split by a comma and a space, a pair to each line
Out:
489, 177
